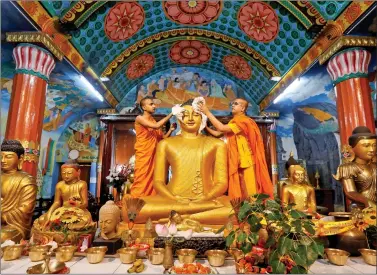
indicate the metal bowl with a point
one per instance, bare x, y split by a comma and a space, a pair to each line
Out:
53, 267
13, 252
65, 253
236, 253
38, 252
127, 255
156, 255
95, 255
337, 256
369, 255
186, 256
216, 257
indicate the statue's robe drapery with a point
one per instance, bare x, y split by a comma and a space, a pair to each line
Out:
18, 202
145, 151
248, 171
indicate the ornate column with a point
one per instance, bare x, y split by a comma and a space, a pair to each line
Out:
101, 147
349, 72
27, 104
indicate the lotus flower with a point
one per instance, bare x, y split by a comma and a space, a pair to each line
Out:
162, 230
187, 234
172, 229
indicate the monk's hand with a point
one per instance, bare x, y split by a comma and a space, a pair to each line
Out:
173, 126
203, 108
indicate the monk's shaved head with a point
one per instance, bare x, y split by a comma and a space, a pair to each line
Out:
244, 102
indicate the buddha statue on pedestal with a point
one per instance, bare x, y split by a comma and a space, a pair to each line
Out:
358, 173
109, 218
69, 209
199, 176
299, 192
286, 181
18, 193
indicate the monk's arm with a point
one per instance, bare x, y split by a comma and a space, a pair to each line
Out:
171, 129
221, 173
217, 123
150, 124
214, 132
160, 172
352, 193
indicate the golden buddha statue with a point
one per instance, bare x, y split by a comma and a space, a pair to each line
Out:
109, 218
199, 176
184, 224
286, 181
69, 209
358, 173
18, 193
299, 192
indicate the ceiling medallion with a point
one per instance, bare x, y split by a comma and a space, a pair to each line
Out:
259, 21
190, 52
192, 12
237, 66
124, 20
140, 66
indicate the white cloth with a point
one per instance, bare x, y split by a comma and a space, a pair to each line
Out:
177, 111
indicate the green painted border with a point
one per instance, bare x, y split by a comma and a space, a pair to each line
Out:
88, 13
31, 72
297, 13
349, 76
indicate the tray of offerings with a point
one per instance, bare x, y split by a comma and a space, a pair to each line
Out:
194, 268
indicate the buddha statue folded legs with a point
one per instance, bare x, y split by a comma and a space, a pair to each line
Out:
69, 209
199, 176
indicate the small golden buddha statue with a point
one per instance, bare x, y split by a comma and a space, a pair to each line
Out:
184, 224
18, 193
69, 208
358, 173
286, 181
199, 176
109, 218
299, 192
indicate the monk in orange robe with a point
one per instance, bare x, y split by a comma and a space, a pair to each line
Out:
148, 134
247, 166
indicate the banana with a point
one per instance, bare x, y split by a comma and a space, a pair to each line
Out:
140, 268
131, 269
138, 262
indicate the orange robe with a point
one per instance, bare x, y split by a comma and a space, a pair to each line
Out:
145, 151
247, 129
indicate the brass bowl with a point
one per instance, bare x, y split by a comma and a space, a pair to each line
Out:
369, 255
38, 252
65, 253
216, 257
186, 256
156, 255
13, 252
236, 253
54, 267
96, 254
127, 255
337, 256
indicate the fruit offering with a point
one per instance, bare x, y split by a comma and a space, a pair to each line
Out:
194, 268
137, 267
246, 266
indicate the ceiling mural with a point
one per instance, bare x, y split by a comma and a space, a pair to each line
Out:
266, 37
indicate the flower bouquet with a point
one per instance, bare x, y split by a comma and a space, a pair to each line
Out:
117, 177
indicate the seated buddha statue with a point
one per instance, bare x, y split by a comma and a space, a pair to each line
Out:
69, 209
299, 192
199, 175
358, 173
286, 181
109, 218
18, 193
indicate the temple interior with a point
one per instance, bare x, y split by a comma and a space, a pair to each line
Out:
188, 137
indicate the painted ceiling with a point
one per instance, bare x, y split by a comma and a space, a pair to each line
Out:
268, 38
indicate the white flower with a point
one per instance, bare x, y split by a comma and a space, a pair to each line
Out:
7, 243
110, 178
161, 230
117, 178
172, 229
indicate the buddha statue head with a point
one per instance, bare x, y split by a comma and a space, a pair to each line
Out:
363, 144
297, 174
175, 217
191, 120
109, 218
70, 171
12, 155
291, 161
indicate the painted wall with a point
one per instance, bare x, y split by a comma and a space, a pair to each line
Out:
308, 126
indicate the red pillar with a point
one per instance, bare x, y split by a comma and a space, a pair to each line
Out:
27, 103
349, 72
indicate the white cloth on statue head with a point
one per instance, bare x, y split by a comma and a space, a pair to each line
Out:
195, 106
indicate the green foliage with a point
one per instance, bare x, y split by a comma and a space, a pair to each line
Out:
292, 248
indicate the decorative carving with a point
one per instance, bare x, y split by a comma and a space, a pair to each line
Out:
190, 52
140, 66
237, 66
106, 111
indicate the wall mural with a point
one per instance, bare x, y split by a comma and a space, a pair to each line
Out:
308, 126
177, 85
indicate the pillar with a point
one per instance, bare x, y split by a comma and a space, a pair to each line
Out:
27, 103
349, 72
93, 178
100, 156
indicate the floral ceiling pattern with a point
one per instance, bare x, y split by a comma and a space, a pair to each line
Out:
278, 31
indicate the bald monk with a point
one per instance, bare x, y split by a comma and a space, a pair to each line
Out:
247, 167
148, 134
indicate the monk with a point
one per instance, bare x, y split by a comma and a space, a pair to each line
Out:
18, 193
247, 167
148, 134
